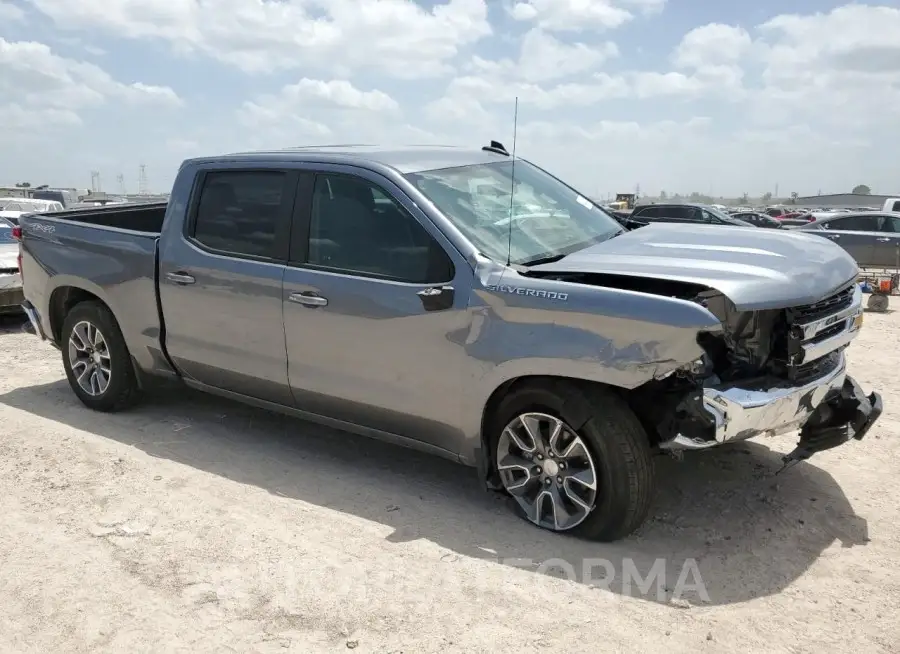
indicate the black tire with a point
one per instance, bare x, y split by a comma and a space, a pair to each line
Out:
123, 390
878, 303
617, 442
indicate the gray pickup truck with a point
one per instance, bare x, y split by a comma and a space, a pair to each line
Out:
387, 292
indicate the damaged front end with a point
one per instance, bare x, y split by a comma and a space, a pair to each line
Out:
768, 372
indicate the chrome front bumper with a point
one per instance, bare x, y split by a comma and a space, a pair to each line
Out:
744, 411
828, 411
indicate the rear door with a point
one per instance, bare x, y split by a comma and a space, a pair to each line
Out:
375, 304
856, 234
220, 282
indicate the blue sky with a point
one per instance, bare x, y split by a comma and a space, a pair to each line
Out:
675, 95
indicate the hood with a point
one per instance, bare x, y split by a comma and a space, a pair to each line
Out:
754, 268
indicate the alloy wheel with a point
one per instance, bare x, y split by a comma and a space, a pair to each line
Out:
547, 468
89, 358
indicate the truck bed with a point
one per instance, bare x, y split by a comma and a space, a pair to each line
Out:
106, 252
136, 217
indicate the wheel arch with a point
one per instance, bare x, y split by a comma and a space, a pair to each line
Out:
485, 456
62, 301
64, 298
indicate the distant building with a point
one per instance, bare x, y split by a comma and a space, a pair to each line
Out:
14, 192
848, 200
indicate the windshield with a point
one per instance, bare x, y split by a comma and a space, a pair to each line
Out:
548, 218
726, 218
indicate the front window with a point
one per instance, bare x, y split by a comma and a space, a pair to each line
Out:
548, 217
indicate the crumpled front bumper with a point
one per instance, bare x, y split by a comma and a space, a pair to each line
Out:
829, 411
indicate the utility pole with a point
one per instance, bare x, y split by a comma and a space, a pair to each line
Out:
142, 180
776, 190
120, 180
95, 181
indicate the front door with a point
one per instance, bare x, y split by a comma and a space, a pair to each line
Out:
375, 303
220, 283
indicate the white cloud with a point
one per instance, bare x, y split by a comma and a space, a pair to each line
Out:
578, 15
397, 36
32, 75
14, 117
10, 12
712, 44
806, 100
477, 91
334, 94
543, 57
308, 108
840, 68
39, 88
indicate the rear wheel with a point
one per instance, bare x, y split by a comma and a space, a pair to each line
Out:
575, 459
96, 358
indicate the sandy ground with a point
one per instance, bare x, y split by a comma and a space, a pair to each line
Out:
191, 524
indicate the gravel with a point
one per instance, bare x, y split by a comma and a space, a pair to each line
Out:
197, 525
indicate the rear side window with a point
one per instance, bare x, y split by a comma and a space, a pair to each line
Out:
239, 212
855, 224
647, 213
681, 213
891, 224
358, 228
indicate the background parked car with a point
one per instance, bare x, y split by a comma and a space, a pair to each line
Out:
685, 213
10, 279
872, 238
758, 219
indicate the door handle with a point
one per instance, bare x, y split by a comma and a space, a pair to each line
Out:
308, 300
436, 298
180, 278
883, 240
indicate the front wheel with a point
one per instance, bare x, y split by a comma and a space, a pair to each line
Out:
96, 358
575, 460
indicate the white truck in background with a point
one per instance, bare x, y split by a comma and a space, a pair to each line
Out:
891, 204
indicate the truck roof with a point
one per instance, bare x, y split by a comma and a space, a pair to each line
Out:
404, 159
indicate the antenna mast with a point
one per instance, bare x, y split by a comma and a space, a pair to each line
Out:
512, 183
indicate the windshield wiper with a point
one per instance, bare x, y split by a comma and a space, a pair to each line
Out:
553, 258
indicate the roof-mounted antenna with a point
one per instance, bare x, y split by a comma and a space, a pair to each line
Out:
496, 147
512, 181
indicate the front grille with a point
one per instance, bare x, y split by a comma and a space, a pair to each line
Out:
832, 304
817, 369
800, 345
828, 332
